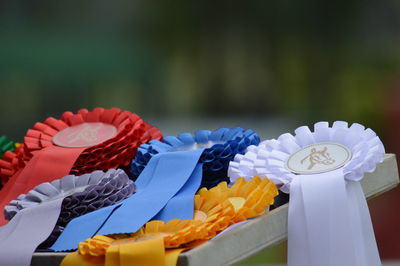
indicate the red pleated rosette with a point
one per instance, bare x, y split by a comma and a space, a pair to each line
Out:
10, 163
115, 152
77, 144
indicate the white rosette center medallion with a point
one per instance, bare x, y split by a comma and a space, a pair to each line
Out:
318, 158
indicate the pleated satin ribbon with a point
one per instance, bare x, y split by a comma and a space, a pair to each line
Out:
329, 223
150, 252
164, 177
36, 216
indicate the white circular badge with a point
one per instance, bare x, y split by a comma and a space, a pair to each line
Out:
318, 158
84, 135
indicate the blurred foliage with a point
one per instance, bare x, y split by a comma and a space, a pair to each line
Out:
305, 59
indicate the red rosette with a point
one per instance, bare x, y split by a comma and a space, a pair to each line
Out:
10, 163
77, 144
115, 152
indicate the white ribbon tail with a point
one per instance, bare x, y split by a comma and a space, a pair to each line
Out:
363, 232
329, 223
298, 244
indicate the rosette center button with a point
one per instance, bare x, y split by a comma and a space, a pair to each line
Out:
318, 158
84, 135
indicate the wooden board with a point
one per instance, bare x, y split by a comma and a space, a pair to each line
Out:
246, 240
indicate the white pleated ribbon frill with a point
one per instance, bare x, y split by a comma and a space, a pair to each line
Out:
329, 221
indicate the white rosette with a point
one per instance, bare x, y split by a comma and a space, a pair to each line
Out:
329, 221
269, 157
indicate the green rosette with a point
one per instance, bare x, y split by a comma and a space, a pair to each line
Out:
6, 145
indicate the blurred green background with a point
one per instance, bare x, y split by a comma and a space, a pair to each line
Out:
186, 65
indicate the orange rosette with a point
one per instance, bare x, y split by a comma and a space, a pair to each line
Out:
95, 246
175, 233
214, 210
77, 144
248, 198
216, 215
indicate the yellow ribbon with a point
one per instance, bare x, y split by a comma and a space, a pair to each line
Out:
149, 252
171, 256
112, 256
75, 258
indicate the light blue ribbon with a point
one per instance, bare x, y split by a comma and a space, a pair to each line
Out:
167, 175
181, 206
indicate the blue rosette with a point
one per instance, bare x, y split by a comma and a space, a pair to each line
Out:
220, 147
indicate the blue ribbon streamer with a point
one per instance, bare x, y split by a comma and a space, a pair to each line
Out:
181, 206
167, 175
172, 172
220, 146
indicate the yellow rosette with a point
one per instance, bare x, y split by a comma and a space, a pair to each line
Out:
146, 246
161, 243
248, 198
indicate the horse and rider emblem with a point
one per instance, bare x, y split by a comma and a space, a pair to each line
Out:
318, 157
84, 135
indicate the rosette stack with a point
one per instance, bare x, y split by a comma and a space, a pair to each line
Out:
65, 188
77, 144
220, 147
215, 210
329, 222
169, 174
